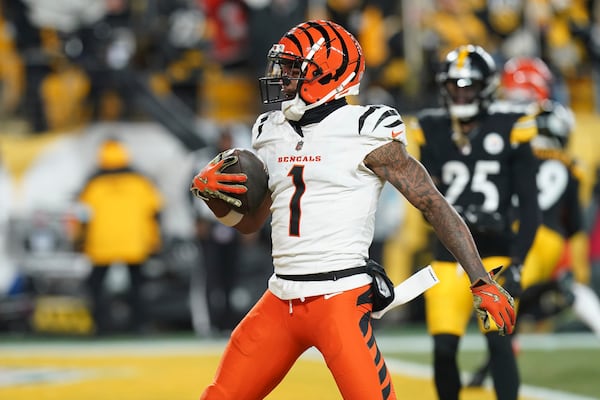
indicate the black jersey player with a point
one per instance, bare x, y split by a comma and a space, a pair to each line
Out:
551, 279
480, 157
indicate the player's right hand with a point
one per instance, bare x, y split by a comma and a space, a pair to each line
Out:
491, 300
212, 182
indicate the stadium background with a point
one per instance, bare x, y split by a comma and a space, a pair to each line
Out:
172, 76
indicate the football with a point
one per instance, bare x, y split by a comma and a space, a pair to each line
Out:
249, 164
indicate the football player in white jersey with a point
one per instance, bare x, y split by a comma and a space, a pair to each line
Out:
327, 161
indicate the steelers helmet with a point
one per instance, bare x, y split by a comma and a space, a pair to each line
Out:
468, 80
555, 123
325, 59
526, 79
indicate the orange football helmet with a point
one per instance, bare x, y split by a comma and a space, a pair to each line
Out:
526, 79
325, 59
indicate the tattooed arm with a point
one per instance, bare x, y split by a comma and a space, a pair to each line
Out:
393, 163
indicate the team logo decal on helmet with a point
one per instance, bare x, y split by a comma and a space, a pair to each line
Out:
325, 59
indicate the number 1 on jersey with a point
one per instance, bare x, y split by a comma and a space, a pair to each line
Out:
296, 173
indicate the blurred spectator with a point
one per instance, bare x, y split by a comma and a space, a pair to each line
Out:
11, 69
562, 30
379, 27
54, 88
445, 26
221, 250
35, 47
278, 15
123, 228
104, 48
111, 60
511, 28
179, 50
228, 21
228, 57
131, 41
593, 47
562, 36
8, 272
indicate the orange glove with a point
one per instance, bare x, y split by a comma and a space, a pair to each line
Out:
211, 182
491, 300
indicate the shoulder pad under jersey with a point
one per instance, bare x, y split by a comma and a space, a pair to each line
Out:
524, 129
382, 121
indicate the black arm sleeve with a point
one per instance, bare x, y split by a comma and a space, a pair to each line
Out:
524, 169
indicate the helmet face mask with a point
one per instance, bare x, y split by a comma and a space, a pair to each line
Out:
468, 82
282, 70
463, 96
323, 58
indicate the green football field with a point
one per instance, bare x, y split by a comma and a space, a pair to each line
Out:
562, 366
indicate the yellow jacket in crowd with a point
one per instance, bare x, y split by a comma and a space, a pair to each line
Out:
124, 206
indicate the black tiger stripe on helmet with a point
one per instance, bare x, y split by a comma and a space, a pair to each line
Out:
330, 59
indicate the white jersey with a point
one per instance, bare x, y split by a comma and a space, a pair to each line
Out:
324, 197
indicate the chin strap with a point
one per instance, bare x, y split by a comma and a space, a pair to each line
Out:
294, 109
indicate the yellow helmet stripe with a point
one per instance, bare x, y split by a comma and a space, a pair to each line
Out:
462, 56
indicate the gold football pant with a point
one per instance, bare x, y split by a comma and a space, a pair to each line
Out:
449, 304
547, 249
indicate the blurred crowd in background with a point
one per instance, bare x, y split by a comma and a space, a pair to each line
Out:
68, 62
175, 82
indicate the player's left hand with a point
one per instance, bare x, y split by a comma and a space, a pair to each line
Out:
211, 182
491, 300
